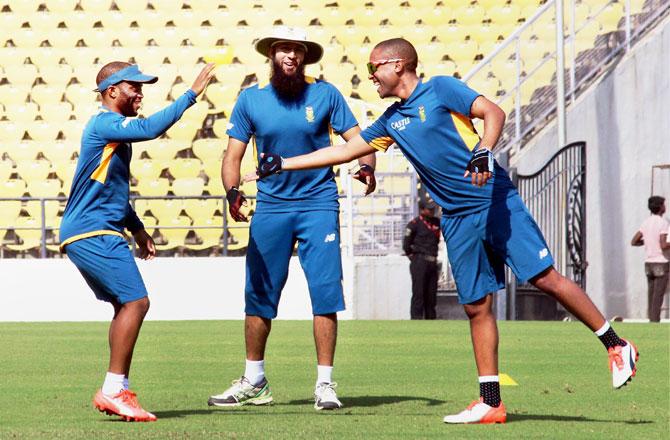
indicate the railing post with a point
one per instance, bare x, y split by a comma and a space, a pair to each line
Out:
560, 75
225, 226
43, 241
517, 101
627, 5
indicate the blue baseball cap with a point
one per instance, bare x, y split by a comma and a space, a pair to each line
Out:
131, 73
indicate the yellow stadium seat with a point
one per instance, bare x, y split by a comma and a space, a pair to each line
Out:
197, 112
149, 56
9, 211
99, 38
28, 38
185, 168
174, 232
169, 37
65, 170
149, 224
22, 150
222, 94
21, 74
219, 127
57, 112
215, 187
95, 6
200, 209
44, 21
238, 235
51, 209
141, 206
6, 169
80, 21
33, 170
157, 187
72, 130
131, 7
431, 53
77, 94
44, 93
160, 149
56, 75
60, 6
116, 20
505, 13
45, 57
190, 19
13, 188
208, 149
165, 210
351, 35
183, 130
63, 38
12, 94
438, 16
210, 234
29, 238
610, 16
188, 186
333, 16
134, 38
44, 188
152, 20
146, 169
464, 50
43, 131
11, 131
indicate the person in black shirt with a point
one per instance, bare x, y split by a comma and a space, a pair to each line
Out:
422, 237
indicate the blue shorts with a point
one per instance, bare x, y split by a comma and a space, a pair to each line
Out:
108, 267
480, 244
272, 237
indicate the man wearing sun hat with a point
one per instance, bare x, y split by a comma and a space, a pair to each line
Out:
98, 211
291, 114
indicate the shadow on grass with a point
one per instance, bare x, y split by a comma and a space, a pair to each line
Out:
368, 401
555, 418
174, 414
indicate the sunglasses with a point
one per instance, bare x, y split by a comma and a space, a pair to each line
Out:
374, 65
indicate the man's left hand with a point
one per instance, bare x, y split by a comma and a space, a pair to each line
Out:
366, 175
480, 167
146, 244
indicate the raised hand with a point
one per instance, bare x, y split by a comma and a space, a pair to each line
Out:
203, 78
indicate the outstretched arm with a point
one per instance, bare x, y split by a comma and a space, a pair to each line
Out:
367, 164
354, 148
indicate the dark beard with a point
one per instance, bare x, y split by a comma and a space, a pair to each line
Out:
288, 86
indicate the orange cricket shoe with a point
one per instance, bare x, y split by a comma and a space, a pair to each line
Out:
479, 412
123, 404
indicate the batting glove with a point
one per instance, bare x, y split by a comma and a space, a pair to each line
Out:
481, 161
362, 175
235, 202
269, 164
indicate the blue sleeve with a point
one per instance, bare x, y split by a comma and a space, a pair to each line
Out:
454, 94
133, 223
112, 126
240, 125
341, 117
376, 134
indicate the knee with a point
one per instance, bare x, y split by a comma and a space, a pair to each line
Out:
547, 281
142, 305
478, 309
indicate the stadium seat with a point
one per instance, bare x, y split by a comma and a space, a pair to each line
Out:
95, 6
55, 75
188, 186
23, 113
45, 188
21, 150
156, 187
43, 131
6, 169
238, 235
149, 224
28, 38
146, 168
219, 128
33, 170
222, 94
116, 20
11, 131
161, 149
11, 94
131, 7
65, 170
212, 165
200, 209
210, 235
30, 238
169, 37
63, 38
77, 94
57, 112
61, 6
197, 112
73, 129
174, 232
185, 168
46, 94
208, 149
9, 211
183, 130
215, 187
165, 210
51, 209
13, 188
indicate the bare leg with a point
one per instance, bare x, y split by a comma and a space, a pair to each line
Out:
325, 338
256, 332
123, 332
571, 296
484, 333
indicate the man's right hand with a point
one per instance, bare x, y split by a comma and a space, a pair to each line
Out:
203, 78
235, 202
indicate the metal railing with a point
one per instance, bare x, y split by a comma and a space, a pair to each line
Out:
522, 74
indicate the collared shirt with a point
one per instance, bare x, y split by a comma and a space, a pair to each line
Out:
99, 197
433, 129
291, 128
422, 236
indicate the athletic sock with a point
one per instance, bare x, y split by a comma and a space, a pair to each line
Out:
324, 374
113, 384
255, 371
489, 390
126, 383
608, 336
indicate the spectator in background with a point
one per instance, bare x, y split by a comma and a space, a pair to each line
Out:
422, 237
653, 234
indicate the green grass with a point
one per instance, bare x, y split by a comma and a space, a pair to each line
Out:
397, 380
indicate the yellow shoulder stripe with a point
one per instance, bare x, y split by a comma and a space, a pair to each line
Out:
100, 173
381, 143
466, 130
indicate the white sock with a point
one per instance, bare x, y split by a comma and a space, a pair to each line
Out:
483, 379
113, 384
324, 374
601, 331
254, 371
126, 383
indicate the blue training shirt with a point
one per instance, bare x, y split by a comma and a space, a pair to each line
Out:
99, 197
433, 129
291, 128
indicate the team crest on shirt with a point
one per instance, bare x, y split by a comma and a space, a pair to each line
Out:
422, 113
309, 114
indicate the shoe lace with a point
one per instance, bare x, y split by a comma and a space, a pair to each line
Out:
614, 357
474, 402
129, 398
239, 387
327, 390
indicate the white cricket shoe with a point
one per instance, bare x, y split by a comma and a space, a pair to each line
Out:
325, 396
242, 392
622, 363
479, 412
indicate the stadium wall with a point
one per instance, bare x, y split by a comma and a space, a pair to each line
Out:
622, 118
197, 288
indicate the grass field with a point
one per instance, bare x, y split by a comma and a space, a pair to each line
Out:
397, 380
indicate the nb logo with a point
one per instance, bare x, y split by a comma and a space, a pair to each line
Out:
544, 253
329, 238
